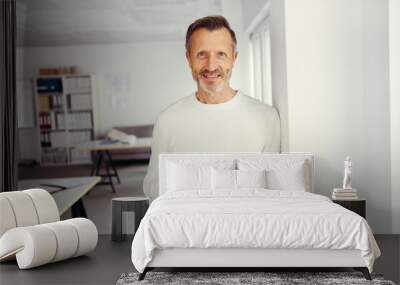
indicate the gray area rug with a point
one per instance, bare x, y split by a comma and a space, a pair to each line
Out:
228, 278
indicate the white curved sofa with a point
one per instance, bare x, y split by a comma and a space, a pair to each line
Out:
31, 230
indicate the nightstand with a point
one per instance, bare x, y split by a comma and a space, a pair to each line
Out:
357, 206
120, 206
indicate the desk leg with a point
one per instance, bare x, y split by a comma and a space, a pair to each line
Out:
78, 210
110, 161
110, 181
94, 164
99, 159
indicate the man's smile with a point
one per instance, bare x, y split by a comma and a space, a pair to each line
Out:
211, 76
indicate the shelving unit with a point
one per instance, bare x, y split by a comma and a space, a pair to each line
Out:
65, 116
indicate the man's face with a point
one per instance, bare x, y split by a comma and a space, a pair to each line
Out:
211, 57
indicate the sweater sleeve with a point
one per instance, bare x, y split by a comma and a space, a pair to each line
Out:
275, 133
158, 145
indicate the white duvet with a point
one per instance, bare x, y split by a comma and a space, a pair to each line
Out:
251, 218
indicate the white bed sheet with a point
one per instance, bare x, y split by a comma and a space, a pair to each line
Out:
250, 218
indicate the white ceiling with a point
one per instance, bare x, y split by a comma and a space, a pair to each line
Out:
76, 22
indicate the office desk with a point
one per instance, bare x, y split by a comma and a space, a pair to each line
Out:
103, 158
68, 198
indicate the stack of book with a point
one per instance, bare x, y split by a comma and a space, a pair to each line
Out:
344, 194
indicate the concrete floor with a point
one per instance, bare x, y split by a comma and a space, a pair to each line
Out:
98, 203
110, 259
102, 266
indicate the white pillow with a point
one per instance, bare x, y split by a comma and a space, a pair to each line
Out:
237, 179
182, 178
289, 179
223, 179
251, 178
186, 174
282, 174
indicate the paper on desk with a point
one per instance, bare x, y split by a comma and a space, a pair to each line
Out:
114, 134
55, 187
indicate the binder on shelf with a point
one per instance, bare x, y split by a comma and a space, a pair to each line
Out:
60, 118
44, 120
58, 139
53, 120
80, 156
78, 84
44, 103
65, 117
57, 102
79, 137
49, 85
54, 156
78, 121
45, 139
80, 102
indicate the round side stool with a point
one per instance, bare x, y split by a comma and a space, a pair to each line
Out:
138, 205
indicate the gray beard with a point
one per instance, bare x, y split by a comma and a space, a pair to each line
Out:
218, 89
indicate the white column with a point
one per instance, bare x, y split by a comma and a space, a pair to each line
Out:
232, 11
394, 62
330, 80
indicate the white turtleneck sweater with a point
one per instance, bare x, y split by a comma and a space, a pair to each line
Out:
242, 124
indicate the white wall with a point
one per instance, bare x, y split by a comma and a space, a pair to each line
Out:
279, 68
336, 77
152, 75
394, 49
376, 176
232, 11
250, 9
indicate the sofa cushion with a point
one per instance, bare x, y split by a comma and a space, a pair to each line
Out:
40, 244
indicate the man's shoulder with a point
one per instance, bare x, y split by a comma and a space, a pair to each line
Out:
174, 108
256, 104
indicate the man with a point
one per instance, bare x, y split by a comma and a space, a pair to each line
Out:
216, 118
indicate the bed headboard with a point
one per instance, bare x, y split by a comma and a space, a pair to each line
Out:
201, 158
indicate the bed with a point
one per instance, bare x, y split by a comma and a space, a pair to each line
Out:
246, 210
